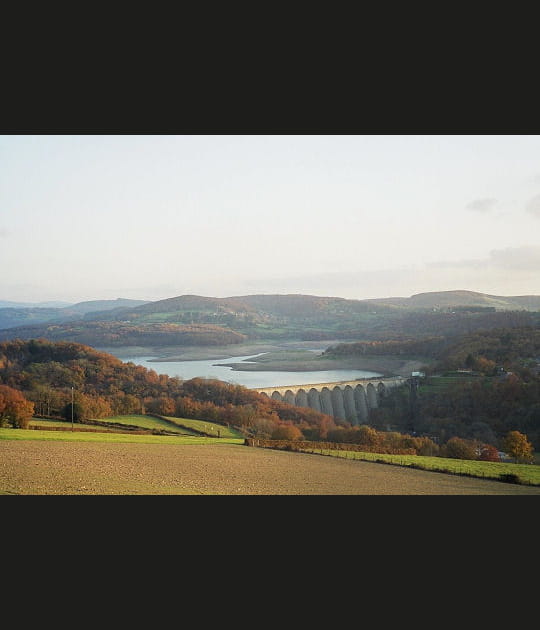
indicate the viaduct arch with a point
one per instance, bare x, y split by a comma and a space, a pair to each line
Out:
345, 400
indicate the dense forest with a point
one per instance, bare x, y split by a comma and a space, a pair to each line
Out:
480, 386
104, 386
477, 408
514, 349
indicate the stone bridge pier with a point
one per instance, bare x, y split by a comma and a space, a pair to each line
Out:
344, 400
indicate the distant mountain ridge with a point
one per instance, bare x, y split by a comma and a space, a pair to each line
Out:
295, 305
271, 317
460, 298
103, 305
8, 304
15, 316
299, 305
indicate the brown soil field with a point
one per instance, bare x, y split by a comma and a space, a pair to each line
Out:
76, 468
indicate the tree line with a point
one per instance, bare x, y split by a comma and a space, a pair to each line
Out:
113, 334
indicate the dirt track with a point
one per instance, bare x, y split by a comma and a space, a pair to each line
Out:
47, 468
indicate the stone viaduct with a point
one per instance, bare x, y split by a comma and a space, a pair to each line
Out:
346, 400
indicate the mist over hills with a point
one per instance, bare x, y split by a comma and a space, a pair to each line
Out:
8, 304
448, 299
102, 305
299, 305
194, 319
21, 314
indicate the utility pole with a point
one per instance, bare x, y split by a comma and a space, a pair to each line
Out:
72, 407
413, 402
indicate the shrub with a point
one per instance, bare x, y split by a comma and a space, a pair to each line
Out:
458, 448
510, 478
286, 432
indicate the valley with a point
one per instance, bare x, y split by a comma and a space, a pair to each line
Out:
285, 356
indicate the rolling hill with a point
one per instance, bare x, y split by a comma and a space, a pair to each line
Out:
174, 321
115, 334
10, 304
20, 315
440, 300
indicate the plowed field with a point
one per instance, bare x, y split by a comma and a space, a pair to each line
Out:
60, 468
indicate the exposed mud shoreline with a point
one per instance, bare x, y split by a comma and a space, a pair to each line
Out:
288, 356
201, 353
386, 366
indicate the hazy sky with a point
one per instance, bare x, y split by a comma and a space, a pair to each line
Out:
359, 216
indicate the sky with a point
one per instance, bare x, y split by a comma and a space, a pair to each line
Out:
149, 217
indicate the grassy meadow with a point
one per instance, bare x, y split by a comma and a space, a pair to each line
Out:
439, 384
46, 422
205, 426
110, 437
182, 426
521, 473
147, 422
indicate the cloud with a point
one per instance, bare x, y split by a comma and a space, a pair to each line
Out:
509, 271
526, 258
3, 232
482, 205
470, 263
533, 206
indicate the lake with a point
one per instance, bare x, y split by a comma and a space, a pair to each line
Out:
212, 369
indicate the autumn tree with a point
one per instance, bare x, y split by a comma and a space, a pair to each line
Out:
489, 453
517, 445
76, 411
368, 436
458, 448
286, 432
263, 427
164, 405
15, 410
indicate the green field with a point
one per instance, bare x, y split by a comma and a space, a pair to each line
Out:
438, 384
62, 423
182, 426
141, 421
205, 426
525, 473
147, 422
79, 436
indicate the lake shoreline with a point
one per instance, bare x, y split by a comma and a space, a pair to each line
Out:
293, 356
202, 353
386, 366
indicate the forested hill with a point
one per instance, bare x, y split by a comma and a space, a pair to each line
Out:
104, 386
515, 349
313, 317
312, 306
117, 334
276, 317
254, 307
20, 315
450, 300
